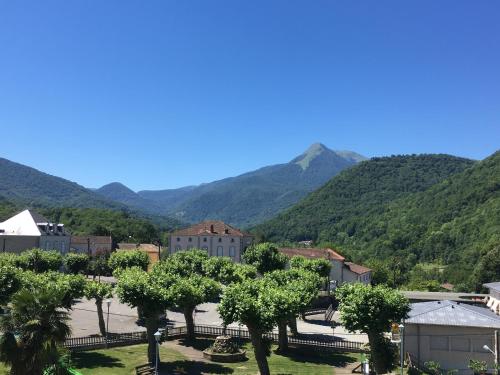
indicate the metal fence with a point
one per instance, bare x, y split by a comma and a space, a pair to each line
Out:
121, 339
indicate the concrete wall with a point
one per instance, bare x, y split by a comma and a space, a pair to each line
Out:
59, 243
17, 244
452, 347
337, 271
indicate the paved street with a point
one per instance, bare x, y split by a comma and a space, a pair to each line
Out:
122, 318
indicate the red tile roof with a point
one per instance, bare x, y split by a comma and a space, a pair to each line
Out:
312, 253
211, 228
93, 240
356, 268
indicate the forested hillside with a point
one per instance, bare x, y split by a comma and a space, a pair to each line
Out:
436, 209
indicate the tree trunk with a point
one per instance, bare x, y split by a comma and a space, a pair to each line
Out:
259, 350
377, 352
282, 337
188, 316
152, 324
293, 326
100, 317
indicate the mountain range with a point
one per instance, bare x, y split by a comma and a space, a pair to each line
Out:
246, 199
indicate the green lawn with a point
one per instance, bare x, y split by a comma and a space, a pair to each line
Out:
123, 360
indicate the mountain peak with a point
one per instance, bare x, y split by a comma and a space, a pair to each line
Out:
310, 154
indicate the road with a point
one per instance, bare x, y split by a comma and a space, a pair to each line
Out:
122, 318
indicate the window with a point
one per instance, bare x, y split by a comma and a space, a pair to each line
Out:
177, 248
178, 239
204, 239
232, 251
439, 343
220, 239
220, 251
190, 239
460, 344
232, 239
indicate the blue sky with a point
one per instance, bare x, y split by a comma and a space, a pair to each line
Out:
162, 94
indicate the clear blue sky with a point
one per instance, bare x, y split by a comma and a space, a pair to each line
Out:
161, 94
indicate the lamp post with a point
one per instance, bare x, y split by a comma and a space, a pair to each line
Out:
108, 303
157, 336
402, 347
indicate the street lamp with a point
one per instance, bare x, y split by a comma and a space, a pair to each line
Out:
108, 303
157, 336
402, 347
487, 348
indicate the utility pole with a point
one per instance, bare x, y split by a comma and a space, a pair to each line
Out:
497, 348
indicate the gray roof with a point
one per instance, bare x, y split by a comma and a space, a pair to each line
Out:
493, 286
37, 218
448, 313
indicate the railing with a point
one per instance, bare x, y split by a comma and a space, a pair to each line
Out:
317, 311
329, 313
122, 339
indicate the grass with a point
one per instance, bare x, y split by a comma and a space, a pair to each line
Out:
123, 360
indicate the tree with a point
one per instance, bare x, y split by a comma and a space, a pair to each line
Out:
246, 303
9, 283
265, 257
224, 270
128, 259
76, 263
148, 291
186, 263
34, 329
321, 267
372, 310
188, 292
99, 291
488, 268
292, 292
39, 261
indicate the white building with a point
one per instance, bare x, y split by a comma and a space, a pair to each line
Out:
493, 299
215, 237
29, 229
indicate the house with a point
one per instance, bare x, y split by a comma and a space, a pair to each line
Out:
29, 229
91, 244
493, 298
151, 249
450, 333
341, 271
215, 237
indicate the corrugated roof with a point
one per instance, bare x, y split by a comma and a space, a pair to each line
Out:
448, 313
494, 286
312, 253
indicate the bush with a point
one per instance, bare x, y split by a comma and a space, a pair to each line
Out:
76, 263
128, 259
39, 261
8, 259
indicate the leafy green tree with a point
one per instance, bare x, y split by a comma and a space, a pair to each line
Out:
39, 261
224, 270
265, 257
188, 292
99, 291
371, 310
488, 268
98, 264
8, 259
128, 259
34, 329
10, 283
186, 263
148, 291
246, 303
76, 263
321, 267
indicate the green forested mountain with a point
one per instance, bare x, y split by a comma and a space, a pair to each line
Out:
246, 199
436, 209
27, 186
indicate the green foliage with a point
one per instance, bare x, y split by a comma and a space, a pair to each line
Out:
33, 330
371, 310
38, 260
185, 263
10, 283
478, 367
265, 257
224, 270
321, 267
128, 259
488, 268
98, 291
8, 259
188, 292
98, 264
76, 263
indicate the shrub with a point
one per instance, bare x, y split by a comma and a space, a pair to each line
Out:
39, 261
76, 263
128, 259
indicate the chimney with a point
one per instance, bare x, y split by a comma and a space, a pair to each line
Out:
226, 231
212, 228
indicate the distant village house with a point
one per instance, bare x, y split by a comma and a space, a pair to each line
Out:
215, 237
91, 245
